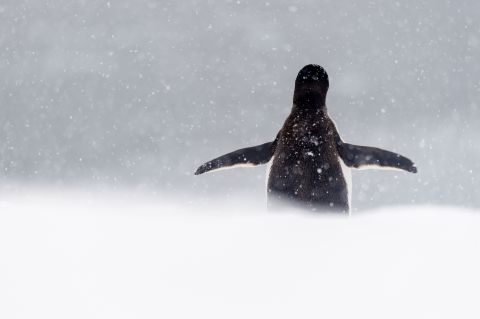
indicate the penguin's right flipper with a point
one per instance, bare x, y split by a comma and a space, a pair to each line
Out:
250, 156
365, 157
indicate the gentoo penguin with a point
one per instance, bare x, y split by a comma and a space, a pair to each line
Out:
309, 164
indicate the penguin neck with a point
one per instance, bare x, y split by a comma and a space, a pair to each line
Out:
308, 98
311, 103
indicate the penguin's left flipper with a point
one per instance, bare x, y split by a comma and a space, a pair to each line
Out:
365, 157
250, 156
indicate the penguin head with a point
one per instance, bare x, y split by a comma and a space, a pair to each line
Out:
311, 85
313, 76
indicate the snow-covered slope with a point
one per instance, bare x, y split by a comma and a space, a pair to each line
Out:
77, 255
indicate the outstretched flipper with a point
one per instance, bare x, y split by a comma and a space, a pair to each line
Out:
364, 157
250, 156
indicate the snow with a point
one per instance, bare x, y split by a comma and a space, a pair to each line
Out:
140, 93
79, 254
108, 107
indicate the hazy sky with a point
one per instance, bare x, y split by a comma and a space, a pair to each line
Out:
139, 93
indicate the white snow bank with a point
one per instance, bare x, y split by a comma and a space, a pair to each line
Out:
65, 255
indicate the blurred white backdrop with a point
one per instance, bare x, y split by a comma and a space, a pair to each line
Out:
139, 93
108, 107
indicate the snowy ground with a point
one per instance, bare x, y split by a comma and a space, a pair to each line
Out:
75, 255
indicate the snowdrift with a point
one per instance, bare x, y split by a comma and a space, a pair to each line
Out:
78, 255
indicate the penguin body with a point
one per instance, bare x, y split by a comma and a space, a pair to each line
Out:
309, 164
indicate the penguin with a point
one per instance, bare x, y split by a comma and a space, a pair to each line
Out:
308, 162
